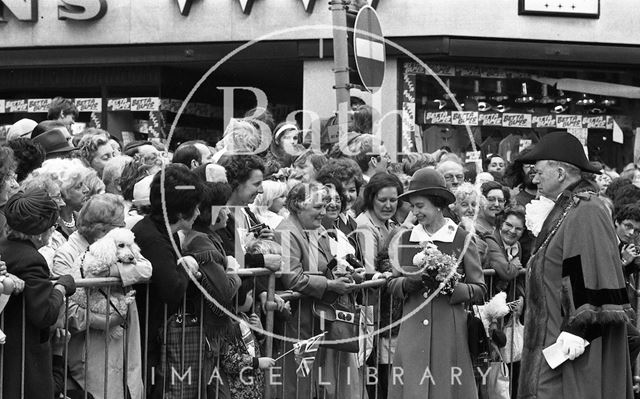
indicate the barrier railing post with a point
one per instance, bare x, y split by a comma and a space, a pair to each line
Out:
269, 391
271, 288
636, 361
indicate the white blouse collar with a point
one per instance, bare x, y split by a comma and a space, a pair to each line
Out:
445, 234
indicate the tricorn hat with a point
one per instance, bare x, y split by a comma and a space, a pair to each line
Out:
559, 146
428, 181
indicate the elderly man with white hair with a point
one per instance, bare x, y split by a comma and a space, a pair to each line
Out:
453, 173
576, 298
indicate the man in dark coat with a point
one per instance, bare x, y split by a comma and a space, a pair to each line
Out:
162, 297
27, 369
576, 295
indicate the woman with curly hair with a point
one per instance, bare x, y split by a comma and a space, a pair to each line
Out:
348, 173
70, 175
28, 155
8, 183
240, 137
95, 150
98, 216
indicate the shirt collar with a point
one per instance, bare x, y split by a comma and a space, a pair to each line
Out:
375, 221
344, 217
445, 234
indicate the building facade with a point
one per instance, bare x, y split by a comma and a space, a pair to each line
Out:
133, 62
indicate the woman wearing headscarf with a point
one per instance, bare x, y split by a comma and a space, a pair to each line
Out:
27, 368
432, 342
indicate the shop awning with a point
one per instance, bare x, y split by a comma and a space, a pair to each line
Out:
591, 87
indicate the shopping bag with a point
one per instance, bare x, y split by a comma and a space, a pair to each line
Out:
498, 381
514, 331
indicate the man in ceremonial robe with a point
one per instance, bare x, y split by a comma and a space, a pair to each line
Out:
576, 293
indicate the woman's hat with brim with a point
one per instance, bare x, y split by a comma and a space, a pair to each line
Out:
559, 146
428, 182
54, 141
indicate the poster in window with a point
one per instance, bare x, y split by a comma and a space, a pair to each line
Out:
465, 118
516, 120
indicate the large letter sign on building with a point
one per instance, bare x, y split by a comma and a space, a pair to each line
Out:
369, 50
82, 10
24, 10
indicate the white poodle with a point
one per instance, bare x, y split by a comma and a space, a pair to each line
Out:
103, 256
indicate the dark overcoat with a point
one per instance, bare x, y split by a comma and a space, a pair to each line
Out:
575, 284
31, 313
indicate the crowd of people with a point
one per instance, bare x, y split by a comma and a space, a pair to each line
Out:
327, 221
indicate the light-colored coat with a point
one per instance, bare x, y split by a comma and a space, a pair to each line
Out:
335, 365
67, 261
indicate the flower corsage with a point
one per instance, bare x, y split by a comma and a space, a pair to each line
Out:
438, 270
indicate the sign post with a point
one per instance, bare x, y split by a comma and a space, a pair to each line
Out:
341, 62
369, 49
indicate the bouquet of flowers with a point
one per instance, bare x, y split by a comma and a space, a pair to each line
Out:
436, 268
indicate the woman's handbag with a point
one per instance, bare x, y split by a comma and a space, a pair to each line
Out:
514, 331
185, 350
478, 341
342, 322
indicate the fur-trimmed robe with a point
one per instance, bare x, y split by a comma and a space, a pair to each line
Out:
575, 284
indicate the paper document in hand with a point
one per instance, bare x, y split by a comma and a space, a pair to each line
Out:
555, 356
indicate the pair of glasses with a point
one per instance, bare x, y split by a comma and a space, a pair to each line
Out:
449, 177
280, 178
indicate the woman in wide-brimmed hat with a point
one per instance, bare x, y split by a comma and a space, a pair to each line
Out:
433, 341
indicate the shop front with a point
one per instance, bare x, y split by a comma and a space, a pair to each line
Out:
478, 108
130, 64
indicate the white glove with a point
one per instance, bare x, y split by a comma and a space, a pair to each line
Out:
572, 345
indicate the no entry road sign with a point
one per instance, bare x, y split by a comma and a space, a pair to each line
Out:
369, 50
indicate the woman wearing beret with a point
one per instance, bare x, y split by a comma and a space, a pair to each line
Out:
432, 356
27, 369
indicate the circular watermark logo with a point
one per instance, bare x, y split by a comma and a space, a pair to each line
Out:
266, 135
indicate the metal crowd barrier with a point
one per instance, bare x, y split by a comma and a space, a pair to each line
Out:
373, 375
